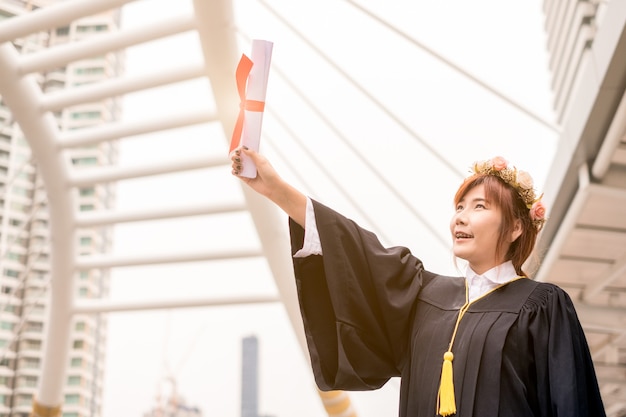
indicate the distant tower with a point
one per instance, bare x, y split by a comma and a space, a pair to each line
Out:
249, 377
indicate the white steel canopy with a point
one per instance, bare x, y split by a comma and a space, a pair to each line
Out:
581, 201
32, 110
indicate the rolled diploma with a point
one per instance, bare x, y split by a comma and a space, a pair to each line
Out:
261, 56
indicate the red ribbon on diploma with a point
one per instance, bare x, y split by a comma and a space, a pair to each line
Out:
242, 73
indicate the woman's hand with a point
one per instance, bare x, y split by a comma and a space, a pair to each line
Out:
269, 184
267, 179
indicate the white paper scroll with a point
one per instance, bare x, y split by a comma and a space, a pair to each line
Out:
261, 56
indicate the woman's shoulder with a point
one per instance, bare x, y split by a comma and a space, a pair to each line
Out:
442, 291
547, 295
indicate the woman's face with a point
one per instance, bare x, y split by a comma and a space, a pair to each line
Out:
475, 228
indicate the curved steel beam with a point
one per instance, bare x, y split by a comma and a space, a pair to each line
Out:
23, 95
59, 15
217, 35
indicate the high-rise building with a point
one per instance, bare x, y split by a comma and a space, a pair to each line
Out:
586, 42
24, 232
249, 377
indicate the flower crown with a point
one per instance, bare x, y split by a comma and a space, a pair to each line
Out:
518, 179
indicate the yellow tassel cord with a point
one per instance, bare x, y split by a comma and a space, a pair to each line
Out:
446, 403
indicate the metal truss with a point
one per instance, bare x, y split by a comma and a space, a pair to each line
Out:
32, 110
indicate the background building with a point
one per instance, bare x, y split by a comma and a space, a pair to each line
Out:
250, 377
585, 238
24, 229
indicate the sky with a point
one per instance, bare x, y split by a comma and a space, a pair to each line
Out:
391, 134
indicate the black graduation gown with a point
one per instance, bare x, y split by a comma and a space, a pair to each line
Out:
371, 313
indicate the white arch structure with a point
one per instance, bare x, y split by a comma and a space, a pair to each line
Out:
213, 22
31, 108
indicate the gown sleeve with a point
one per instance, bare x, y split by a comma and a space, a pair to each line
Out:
565, 376
356, 302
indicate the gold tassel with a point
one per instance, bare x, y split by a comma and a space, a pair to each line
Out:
446, 402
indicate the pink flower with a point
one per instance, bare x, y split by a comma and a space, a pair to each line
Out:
537, 211
524, 180
499, 163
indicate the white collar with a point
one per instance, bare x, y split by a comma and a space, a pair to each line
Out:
499, 274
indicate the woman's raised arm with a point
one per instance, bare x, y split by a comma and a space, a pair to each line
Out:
269, 184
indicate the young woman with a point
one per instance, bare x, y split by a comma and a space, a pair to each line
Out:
491, 343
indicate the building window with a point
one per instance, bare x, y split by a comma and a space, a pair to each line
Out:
85, 161
72, 399
78, 344
5, 325
27, 381
89, 115
73, 380
63, 31
86, 192
9, 308
34, 326
15, 222
78, 85
32, 363
15, 256
41, 223
85, 241
80, 326
76, 362
32, 344
24, 399
18, 240
20, 207
11, 273
91, 28
87, 207
37, 310
21, 191
89, 71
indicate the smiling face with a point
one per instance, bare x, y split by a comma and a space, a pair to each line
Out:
475, 229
